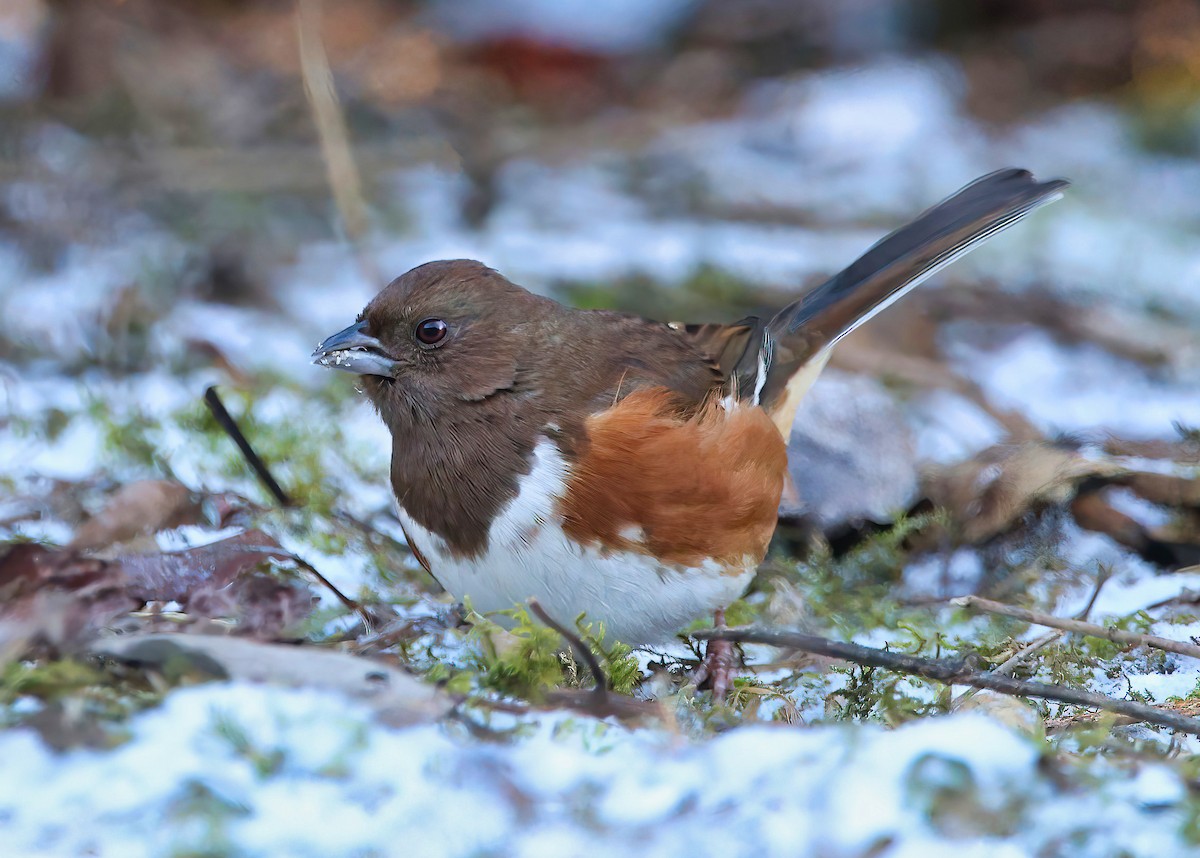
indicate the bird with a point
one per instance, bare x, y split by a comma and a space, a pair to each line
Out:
616, 469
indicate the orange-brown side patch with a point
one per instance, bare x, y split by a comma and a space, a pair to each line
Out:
682, 487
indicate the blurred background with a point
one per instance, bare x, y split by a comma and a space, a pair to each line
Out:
209, 186
194, 192
216, 140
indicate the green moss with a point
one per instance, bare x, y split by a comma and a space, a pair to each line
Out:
857, 591
709, 294
524, 662
48, 680
265, 761
875, 694
97, 696
616, 659
530, 659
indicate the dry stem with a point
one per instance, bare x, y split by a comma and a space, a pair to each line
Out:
1078, 626
955, 673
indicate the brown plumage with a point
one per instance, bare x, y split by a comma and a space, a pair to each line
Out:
592, 458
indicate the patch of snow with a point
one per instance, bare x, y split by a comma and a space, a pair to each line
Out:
1160, 686
274, 771
1076, 388
936, 575
1134, 585
1138, 508
614, 26
950, 428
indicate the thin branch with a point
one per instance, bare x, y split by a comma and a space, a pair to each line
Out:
1038, 644
956, 673
1105, 572
344, 179
348, 603
1078, 626
597, 702
213, 400
1010, 664
581, 649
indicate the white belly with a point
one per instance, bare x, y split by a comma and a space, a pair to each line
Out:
637, 599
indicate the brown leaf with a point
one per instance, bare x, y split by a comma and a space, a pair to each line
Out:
222, 580
1166, 489
1093, 512
1170, 547
177, 575
986, 495
59, 597
1184, 452
396, 697
138, 509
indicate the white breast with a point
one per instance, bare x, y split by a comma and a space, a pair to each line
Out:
529, 556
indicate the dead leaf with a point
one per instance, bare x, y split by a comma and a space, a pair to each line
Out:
221, 580
396, 697
71, 596
177, 575
1166, 489
988, 494
1184, 451
138, 509
1170, 547
57, 596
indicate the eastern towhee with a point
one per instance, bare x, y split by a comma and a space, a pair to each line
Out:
611, 466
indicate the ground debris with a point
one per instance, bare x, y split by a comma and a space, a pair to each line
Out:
397, 698
988, 494
138, 509
221, 580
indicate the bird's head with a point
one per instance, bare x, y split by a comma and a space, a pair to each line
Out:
444, 332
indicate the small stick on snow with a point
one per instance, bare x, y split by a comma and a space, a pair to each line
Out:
213, 400
955, 673
1078, 626
350, 604
1017, 659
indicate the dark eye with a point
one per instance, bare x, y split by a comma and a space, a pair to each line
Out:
431, 331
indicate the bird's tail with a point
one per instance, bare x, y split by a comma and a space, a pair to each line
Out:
796, 343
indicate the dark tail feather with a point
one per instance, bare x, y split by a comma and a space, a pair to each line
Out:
805, 330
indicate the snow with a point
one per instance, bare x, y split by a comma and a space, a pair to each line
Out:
275, 771
1073, 388
1140, 510
950, 428
602, 25
838, 158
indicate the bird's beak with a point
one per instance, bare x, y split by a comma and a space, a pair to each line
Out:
352, 350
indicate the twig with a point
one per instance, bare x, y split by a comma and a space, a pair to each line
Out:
348, 603
955, 673
1078, 626
598, 702
226, 421
1009, 666
581, 649
344, 179
1104, 573
223, 418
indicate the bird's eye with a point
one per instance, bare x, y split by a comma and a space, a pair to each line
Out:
431, 331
